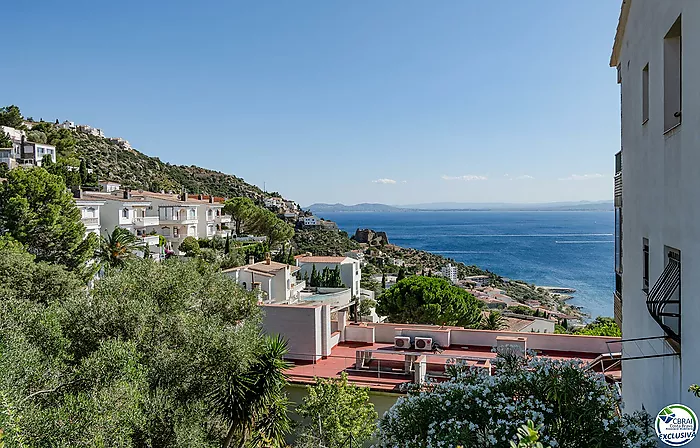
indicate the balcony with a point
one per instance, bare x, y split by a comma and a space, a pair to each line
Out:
91, 222
146, 221
663, 303
224, 219
177, 220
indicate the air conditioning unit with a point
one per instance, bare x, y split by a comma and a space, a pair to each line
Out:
402, 342
424, 343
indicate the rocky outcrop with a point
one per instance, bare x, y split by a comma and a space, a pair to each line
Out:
369, 236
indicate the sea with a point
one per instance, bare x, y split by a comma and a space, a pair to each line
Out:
573, 249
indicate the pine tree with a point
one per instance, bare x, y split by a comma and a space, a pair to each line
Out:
227, 246
325, 277
383, 280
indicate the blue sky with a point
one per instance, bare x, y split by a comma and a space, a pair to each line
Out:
394, 101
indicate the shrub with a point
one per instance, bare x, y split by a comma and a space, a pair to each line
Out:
475, 409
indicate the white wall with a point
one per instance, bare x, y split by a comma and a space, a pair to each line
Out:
300, 325
660, 199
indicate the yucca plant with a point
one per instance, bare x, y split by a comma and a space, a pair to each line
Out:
253, 402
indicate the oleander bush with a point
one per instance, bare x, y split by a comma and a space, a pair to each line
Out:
573, 406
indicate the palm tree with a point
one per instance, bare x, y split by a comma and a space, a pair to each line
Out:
253, 403
493, 321
118, 246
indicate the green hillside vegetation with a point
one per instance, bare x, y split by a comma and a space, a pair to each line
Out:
131, 168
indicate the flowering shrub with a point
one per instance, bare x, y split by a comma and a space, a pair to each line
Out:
573, 406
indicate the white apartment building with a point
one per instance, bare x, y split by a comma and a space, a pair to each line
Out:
178, 217
275, 281
657, 56
90, 214
131, 212
211, 216
350, 272
450, 272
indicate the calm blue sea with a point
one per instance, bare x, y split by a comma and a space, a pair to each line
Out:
571, 249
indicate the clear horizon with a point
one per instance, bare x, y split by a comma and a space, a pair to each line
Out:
343, 102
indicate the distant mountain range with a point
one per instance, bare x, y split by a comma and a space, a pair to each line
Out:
462, 206
364, 207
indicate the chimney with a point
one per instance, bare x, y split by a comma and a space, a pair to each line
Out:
211, 199
183, 196
77, 192
199, 196
251, 259
127, 193
268, 260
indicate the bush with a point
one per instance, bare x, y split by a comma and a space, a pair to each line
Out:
574, 406
190, 246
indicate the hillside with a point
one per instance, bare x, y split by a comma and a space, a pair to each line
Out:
137, 170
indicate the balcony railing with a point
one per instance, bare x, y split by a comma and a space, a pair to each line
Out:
91, 221
662, 302
146, 221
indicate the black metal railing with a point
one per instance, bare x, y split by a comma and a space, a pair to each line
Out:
663, 303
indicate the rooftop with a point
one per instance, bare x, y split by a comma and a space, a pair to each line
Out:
386, 369
264, 267
320, 259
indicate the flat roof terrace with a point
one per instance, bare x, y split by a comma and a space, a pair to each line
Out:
382, 367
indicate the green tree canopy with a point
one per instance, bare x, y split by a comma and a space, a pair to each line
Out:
190, 246
36, 136
335, 411
429, 300
157, 354
5, 140
601, 326
240, 209
38, 211
11, 116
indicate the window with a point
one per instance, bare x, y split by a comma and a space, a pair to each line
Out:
192, 213
645, 264
176, 232
672, 76
165, 231
125, 213
645, 94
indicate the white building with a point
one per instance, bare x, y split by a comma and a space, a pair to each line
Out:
450, 272
90, 214
87, 129
34, 153
657, 208
311, 221
66, 125
132, 212
479, 280
350, 272
14, 134
275, 281
109, 186
274, 203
